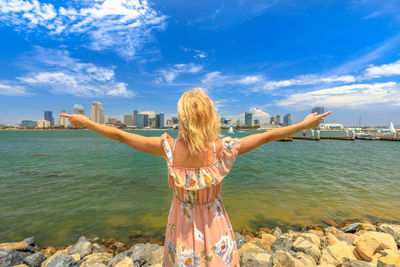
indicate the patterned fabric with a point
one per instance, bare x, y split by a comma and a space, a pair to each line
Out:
199, 232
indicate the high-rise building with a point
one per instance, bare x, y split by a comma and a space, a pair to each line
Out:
160, 120
141, 120
272, 120
145, 120
96, 112
248, 118
78, 109
128, 120
278, 119
135, 117
28, 123
287, 120
319, 110
48, 116
256, 122
174, 120
62, 121
43, 124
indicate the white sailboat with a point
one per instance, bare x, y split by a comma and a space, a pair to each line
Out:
230, 129
391, 128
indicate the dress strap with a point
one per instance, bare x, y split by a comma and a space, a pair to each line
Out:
173, 150
215, 151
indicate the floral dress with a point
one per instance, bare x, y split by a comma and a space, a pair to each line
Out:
199, 232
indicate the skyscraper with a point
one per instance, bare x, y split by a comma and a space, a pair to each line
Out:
278, 119
78, 109
62, 121
96, 112
128, 120
287, 120
145, 120
160, 120
319, 110
248, 118
135, 117
272, 120
48, 116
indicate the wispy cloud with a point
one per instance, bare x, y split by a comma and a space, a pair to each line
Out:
170, 73
259, 113
349, 96
225, 102
59, 73
12, 90
123, 26
391, 69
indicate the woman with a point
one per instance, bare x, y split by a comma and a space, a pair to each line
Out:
199, 232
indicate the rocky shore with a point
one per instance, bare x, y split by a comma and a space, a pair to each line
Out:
350, 244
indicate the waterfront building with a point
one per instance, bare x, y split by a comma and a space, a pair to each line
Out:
256, 122
96, 112
113, 120
331, 126
143, 120
272, 120
28, 123
160, 120
248, 118
43, 124
128, 120
62, 121
48, 116
153, 122
319, 110
175, 120
135, 117
78, 109
287, 120
278, 119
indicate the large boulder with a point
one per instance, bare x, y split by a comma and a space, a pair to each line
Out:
352, 228
266, 241
304, 259
312, 237
35, 260
391, 229
283, 258
96, 258
389, 261
62, 260
119, 257
303, 245
20, 246
256, 259
142, 253
240, 240
125, 262
335, 253
356, 263
282, 243
83, 247
370, 243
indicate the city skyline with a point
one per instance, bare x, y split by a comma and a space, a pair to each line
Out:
272, 58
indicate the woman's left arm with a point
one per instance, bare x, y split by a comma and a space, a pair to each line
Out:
253, 141
151, 145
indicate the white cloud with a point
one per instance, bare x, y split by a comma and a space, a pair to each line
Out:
259, 113
347, 96
70, 76
308, 79
124, 26
224, 102
151, 114
12, 90
383, 70
251, 79
169, 74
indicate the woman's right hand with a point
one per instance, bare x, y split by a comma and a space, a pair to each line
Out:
313, 120
77, 120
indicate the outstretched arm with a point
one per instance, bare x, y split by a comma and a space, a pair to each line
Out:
145, 144
253, 141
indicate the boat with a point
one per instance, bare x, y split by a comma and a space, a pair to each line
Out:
391, 128
230, 129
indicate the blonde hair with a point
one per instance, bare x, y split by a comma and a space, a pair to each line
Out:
198, 120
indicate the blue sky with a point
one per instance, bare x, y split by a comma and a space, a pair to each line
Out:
267, 57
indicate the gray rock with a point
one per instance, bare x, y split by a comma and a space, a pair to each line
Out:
240, 240
283, 258
303, 245
356, 263
6, 259
31, 249
277, 232
119, 257
251, 258
30, 240
35, 260
62, 260
282, 243
157, 256
352, 228
142, 253
342, 238
391, 229
304, 259
83, 247
386, 252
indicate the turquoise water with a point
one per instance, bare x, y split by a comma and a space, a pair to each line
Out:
89, 185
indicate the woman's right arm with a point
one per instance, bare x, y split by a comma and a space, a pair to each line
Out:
253, 141
151, 145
